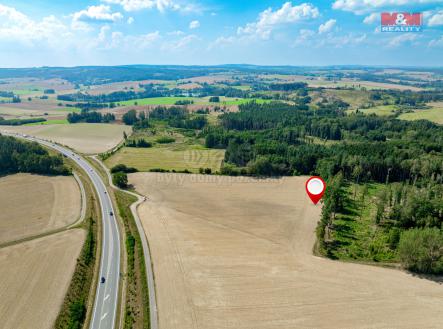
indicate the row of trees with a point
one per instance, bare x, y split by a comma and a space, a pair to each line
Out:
19, 122
90, 117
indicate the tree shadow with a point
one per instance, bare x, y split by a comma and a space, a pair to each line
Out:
431, 277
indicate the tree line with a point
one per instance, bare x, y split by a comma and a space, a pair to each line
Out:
22, 156
90, 117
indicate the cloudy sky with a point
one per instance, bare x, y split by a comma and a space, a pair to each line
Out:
109, 32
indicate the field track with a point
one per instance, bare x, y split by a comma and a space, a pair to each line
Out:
237, 253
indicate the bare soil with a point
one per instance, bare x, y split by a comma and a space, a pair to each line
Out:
237, 253
32, 205
87, 138
35, 276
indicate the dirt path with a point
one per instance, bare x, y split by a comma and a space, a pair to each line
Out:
237, 253
34, 278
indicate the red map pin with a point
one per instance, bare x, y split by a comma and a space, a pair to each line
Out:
315, 187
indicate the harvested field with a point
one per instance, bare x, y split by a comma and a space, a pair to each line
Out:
35, 276
33, 205
210, 79
35, 108
232, 252
84, 137
30, 86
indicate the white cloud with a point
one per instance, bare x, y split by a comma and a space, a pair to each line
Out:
327, 27
179, 44
436, 19
99, 13
16, 26
372, 18
304, 36
270, 19
194, 25
222, 42
115, 39
130, 20
160, 5
176, 33
364, 6
401, 39
436, 42
146, 40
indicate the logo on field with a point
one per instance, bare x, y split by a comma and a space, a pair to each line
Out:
401, 22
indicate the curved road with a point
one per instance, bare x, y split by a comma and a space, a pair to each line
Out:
105, 305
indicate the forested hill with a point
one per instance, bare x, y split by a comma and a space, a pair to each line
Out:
21, 156
282, 139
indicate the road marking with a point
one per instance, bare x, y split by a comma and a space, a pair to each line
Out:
104, 316
107, 296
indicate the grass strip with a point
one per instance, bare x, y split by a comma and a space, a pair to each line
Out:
74, 309
137, 294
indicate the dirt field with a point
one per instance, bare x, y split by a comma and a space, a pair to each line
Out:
33, 205
234, 253
84, 137
34, 278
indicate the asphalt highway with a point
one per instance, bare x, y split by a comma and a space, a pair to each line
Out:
105, 304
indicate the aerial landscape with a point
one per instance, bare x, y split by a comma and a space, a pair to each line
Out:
169, 164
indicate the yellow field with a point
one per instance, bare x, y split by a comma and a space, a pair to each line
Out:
236, 252
84, 137
33, 205
35, 276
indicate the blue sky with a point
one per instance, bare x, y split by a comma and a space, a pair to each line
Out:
203, 32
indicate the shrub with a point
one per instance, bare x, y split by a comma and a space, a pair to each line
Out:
123, 168
421, 250
120, 179
165, 140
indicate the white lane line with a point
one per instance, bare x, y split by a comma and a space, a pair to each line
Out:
107, 296
104, 316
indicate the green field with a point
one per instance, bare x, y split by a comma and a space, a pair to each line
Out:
169, 157
435, 115
380, 110
28, 91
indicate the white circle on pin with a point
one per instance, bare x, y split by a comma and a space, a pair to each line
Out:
315, 186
